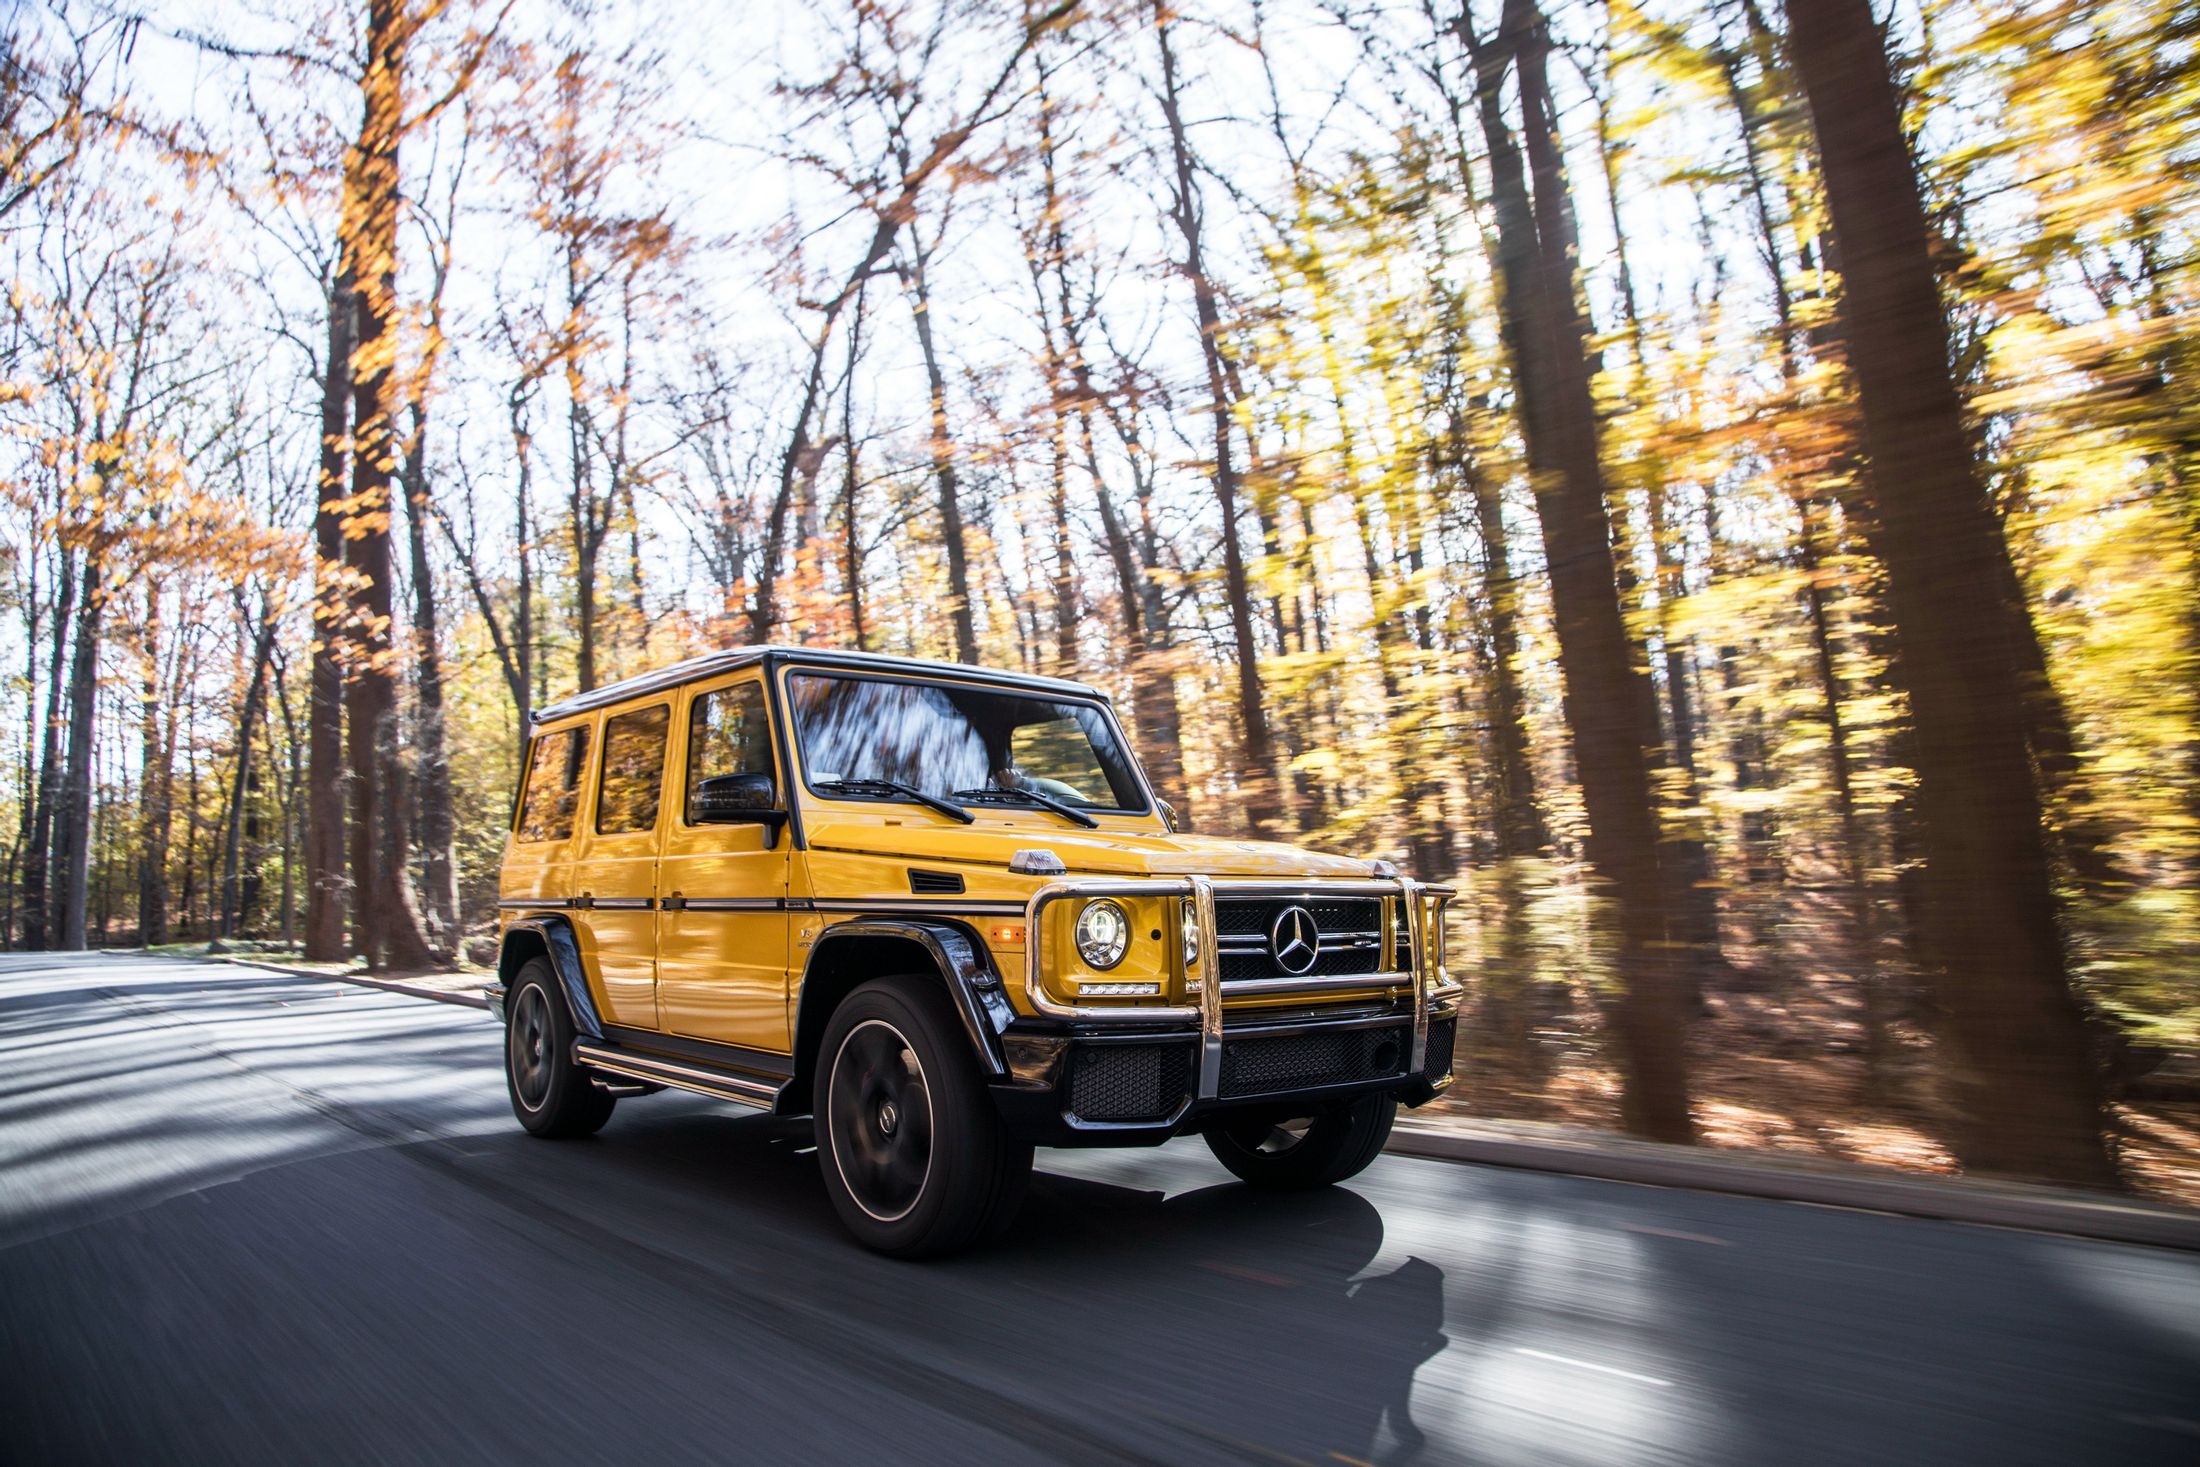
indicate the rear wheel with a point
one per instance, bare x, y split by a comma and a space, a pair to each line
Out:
551, 1095
1315, 1151
915, 1159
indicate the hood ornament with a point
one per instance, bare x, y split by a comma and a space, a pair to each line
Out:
1037, 863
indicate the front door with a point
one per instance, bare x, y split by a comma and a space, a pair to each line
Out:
722, 933
615, 866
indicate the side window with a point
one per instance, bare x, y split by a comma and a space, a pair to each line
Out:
633, 770
728, 733
553, 785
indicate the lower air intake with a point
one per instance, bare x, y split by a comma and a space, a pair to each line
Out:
1129, 1082
1302, 1061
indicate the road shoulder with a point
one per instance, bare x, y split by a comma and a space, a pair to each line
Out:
1583, 1153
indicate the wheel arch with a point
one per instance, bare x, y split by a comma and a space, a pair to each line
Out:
527, 938
850, 954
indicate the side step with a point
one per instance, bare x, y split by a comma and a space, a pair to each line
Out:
680, 1074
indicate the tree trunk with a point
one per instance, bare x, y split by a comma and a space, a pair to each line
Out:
73, 817
240, 783
153, 786
386, 924
37, 868
1263, 800
1516, 819
2027, 1087
942, 447
327, 889
1610, 706
439, 867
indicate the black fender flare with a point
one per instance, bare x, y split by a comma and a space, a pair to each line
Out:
965, 967
564, 951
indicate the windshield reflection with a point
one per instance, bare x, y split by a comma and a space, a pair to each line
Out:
948, 741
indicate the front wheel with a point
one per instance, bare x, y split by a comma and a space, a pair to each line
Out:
1294, 1155
914, 1158
551, 1095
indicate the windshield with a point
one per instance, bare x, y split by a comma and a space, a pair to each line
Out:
959, 741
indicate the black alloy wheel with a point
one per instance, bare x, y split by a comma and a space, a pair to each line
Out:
881, 1120
1293, 1154
913, 1154
551, 1095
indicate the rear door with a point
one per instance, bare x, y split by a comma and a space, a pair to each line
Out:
722, 933
614, 876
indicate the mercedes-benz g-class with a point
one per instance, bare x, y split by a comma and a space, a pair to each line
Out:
941, 911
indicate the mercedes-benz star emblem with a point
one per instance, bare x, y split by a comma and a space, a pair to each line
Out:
1295, 940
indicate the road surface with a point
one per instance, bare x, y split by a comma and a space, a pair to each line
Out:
247, 1218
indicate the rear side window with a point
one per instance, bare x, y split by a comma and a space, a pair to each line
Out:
633, 770
553, 785
727, 734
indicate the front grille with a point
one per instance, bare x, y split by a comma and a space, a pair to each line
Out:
1441, 1036
1129, 1082
1280, 1062
1351, 937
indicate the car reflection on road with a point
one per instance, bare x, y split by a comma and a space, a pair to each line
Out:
1270, 1337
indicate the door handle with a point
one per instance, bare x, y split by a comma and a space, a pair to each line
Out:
674, 903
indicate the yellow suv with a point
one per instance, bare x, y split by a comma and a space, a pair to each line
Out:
940, 910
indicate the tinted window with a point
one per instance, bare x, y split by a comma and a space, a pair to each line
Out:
633, 770
727, 734
949, 740
553, 785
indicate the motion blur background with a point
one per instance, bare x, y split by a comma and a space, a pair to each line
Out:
1720, 482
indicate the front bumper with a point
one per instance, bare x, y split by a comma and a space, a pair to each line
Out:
1091, 1084
1117, 1076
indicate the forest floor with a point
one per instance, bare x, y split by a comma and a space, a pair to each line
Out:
1781, 1070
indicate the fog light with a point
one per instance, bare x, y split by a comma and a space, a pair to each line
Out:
1103, 934
1118, 990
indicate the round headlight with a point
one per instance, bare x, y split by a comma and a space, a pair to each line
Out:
1103, 934
1190, 926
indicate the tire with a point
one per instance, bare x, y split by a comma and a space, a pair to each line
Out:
551, 1095
1333, 1146
914, 1158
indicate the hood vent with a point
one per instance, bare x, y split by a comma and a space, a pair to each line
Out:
936, 883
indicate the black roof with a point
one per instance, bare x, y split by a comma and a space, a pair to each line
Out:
727, 659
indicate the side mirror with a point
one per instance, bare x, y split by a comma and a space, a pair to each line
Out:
1168, 814
738, 799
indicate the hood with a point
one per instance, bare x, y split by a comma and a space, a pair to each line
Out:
1086, 852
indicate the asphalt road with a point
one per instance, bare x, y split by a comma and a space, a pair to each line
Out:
245, 1218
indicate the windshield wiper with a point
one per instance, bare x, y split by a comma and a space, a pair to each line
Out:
894, 787
994, 794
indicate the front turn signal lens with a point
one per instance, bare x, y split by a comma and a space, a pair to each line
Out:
1008, 934
1103, 934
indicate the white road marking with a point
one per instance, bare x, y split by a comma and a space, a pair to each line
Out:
1676, 1233
1591, 1365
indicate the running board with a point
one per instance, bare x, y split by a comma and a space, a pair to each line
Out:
677, 1074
